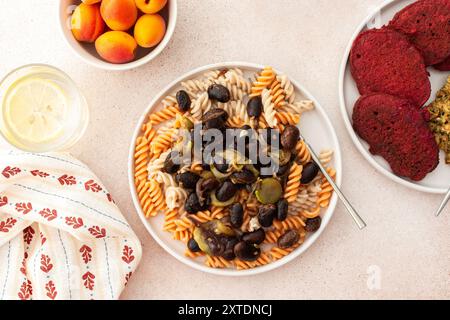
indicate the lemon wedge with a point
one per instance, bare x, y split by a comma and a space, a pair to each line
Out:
35, 110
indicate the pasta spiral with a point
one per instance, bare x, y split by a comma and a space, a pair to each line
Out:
235, 77
288, 88
201, 105
269, 109
164, 141
278, 94
326, 190
235, 92
217, 262
287, 118
299, 107
263, 81
169, 101
291, 223
156, 195
175, 197
326, 156
293, 184
169, 221
303, 154
196, 86
164, 115
142, 189
141, 158
311, 214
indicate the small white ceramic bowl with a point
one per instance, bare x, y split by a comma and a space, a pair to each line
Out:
87, 52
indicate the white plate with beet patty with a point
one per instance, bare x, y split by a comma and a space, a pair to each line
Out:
436, 181
314, 125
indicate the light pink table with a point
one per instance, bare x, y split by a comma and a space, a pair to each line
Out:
405, 251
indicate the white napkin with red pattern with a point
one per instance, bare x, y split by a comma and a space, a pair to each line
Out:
61, 234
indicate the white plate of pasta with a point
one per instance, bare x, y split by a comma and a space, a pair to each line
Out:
234, 219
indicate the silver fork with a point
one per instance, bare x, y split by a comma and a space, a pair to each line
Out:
443, 204
356, 217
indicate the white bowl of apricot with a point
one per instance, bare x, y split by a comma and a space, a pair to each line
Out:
117, 34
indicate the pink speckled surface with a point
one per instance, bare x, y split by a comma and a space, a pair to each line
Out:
405, 251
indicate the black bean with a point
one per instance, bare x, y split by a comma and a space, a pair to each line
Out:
284, 170
312, 225
310, 171
222, 167
215, 119
193, 245
214, 243
282, 209
184, 101
219, 93
256, 237
243, 177
192, 204
210, 184
206, 167
289, 137
226, 191
236, 215
170, 165
246, 251
288, 239
188, 180
229, 254
266, 215
254, 107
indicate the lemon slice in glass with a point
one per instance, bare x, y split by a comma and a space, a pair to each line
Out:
35, 110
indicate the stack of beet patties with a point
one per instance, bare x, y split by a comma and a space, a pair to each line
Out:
389, 67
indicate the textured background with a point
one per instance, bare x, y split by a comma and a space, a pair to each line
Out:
404, 243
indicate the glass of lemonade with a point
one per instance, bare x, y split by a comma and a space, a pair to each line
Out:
42, 109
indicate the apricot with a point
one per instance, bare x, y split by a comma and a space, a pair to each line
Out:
150, 6
91, 1
87, 23
119, 15
116, 47
149, 30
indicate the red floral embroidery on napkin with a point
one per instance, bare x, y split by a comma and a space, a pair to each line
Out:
67, 180
86, 253
28, 234
97, 232
128, 256
49, 214
3, 201
91, 185
46, 263
9, 172
5, 226
38, 173
26, 290
89, 280
110, 198
74, 222
51, 290
23, 207
128, 277
23, 269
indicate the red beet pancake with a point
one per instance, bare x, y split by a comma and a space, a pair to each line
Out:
384, 61
443, 66
398, 132
426, 23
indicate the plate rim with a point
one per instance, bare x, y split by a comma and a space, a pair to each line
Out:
343, 109
228, 272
